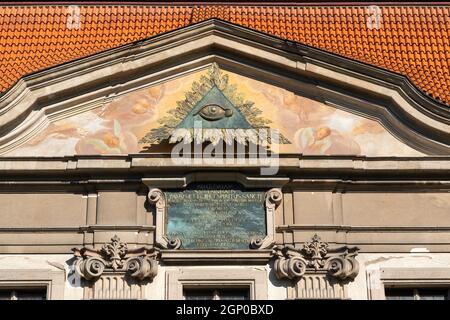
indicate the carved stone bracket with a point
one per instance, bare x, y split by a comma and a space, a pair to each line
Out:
116, 257
273, 199
315, 256
157, 198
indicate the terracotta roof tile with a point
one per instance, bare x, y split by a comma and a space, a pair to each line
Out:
411, 40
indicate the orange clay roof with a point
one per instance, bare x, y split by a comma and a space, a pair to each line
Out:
413, 41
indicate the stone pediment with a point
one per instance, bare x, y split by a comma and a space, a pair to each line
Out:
110, 103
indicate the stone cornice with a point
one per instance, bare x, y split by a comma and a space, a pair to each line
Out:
245, 180
279, 228
148, 163
90, 82
212, 257
135, 228
348, 228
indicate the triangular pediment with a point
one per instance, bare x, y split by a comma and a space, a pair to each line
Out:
122, 101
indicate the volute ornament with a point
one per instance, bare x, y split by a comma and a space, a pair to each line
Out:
157, 198
142, 267
256, 243
115, 256
274, 197
315, 256
90, 268
173, 243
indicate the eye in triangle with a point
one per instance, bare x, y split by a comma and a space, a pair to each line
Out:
216, 106
214, 111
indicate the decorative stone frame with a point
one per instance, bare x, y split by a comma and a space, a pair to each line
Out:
53, 281
255, 280
405, 277
273, 199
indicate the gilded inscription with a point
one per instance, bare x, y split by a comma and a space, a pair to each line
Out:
215, 216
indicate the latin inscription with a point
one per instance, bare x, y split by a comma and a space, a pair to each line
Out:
215, 216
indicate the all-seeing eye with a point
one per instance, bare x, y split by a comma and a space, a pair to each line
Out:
214, 112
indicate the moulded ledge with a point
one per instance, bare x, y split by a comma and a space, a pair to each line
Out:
210, 257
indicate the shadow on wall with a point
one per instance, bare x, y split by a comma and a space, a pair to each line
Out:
73, 278
274, 279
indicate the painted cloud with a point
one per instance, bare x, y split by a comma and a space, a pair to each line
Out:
311, 127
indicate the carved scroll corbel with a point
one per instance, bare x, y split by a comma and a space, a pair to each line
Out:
273, 199
116, 257
157, 198
90, 268
142, 267
174, 243
288, 264
344, 267
314, 257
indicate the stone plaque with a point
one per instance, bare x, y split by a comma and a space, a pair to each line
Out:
215, 216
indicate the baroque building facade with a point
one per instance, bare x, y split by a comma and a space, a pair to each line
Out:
220, 160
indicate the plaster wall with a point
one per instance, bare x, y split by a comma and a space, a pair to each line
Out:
419, 268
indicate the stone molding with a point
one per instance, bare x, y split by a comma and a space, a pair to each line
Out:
378, 278
151, 164
157, 198
115, 257
52, 280
213, 176
316, 257
273, 199
255, 279
216, 257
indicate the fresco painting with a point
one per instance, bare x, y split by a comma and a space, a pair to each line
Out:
118, 127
